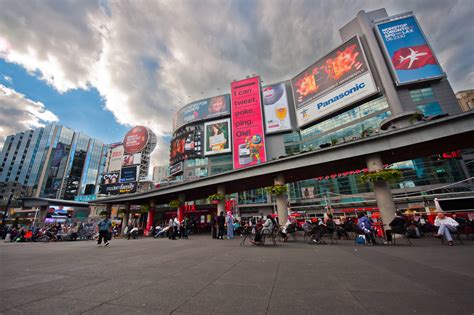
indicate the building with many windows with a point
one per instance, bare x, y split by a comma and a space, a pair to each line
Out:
52, 162
399, 85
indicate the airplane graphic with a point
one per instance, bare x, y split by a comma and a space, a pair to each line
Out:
412, 56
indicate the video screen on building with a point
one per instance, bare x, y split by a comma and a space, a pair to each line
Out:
128, 174
217, 137
339, 79
407, 51
275, 108
214, 107
186, 145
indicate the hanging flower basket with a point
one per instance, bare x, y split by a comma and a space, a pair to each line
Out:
215, 198
276, 190
381, 176
175, 203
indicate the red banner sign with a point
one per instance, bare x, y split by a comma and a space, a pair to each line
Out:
248, 139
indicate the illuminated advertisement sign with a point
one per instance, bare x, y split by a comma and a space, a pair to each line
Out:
128, 174
177, 168
217, 137
213, 107
339, 79
109, 178
115, 159
248, 138
187, 145
136, 139
275, 108
307, 193
120, 188
407, 51
132, 159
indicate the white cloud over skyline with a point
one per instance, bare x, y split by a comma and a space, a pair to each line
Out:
148, 58
19, 113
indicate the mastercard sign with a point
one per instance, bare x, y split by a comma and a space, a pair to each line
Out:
136, 139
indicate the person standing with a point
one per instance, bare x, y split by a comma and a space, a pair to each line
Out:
221, 224
104, 230
230, 225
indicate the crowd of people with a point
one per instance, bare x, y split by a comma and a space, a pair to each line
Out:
227, 226
49, 232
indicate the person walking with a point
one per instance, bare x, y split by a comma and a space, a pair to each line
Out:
230, 225
104, 230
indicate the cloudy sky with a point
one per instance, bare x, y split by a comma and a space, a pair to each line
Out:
102, 66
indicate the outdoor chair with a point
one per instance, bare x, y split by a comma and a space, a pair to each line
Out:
330, 234
246, 234
456, 235
402, 232
273, 235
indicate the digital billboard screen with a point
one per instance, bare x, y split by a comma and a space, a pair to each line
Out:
128, 174
248, 139
275, 108
339, 79
407, 51
132, 159
213, 107
217, 137
186, 145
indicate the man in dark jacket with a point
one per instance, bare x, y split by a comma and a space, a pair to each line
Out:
221, 225
398, 225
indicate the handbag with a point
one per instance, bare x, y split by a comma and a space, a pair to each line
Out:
360, 239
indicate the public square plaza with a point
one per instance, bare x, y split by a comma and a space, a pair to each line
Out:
205, 276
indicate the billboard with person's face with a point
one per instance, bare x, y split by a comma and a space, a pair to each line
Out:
407, 51
132, 159
213, 107
338, 80
275, 108
217, 137
248, 139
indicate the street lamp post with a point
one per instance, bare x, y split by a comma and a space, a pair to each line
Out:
6, 208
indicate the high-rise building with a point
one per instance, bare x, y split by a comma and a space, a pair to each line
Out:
466, 99
52, 162
160, 173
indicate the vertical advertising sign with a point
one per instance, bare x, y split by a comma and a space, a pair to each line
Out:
407, 51
275, 107
115, 159
248, 140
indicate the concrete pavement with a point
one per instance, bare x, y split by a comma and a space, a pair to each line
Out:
201, 275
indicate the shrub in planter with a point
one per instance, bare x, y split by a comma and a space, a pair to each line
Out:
175, 203
276, 190
215, 198
381, 176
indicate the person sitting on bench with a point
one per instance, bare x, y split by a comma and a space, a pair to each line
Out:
446, 226
398, 225
267, 228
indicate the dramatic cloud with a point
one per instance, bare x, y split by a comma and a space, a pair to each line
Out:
18, 113
148, 58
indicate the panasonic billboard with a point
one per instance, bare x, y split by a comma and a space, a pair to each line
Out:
338, 80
